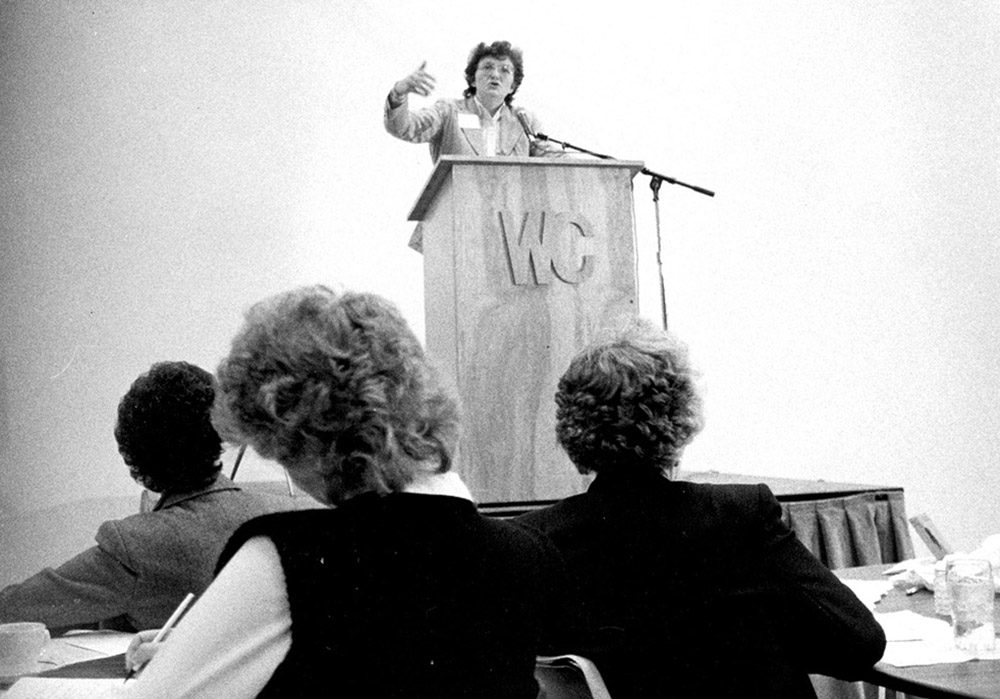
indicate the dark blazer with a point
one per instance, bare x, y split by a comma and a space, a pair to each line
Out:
143, 565
693, 590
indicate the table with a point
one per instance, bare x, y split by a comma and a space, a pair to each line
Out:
789, 489
976, 679
85, 656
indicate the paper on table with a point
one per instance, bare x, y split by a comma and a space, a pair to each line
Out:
102, 642
920, 640
905, 625
85, 646
60, 688
931, 652
869, 591
910, 564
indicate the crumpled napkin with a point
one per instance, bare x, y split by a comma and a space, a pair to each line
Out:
914, 572
919, 572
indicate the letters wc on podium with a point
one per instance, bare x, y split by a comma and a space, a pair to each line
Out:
525, 261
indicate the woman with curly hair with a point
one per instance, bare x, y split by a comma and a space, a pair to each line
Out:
142, 566
687, 590
402, 589
483, 122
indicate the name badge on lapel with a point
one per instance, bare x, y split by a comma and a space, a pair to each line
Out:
468, 121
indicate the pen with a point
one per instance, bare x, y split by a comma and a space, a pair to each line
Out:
164, 629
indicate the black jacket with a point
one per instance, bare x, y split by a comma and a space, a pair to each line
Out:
410, 596
693, 590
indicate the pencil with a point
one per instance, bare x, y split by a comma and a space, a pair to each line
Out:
164, 629
239, 458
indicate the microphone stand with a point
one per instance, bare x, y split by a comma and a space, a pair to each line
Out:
656, 179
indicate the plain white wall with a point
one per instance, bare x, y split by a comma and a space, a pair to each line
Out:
166, 163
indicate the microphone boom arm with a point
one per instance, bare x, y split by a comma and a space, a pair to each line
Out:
657, 177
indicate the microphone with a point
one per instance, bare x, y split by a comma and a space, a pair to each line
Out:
523, 118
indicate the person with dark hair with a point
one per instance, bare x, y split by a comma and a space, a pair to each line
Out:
142, 566
686, 590
484, 122
164, 429
403, 589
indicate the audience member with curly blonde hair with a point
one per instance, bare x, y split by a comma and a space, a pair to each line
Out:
629, 403
403, 589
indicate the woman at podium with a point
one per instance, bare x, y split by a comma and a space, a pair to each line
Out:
482, 122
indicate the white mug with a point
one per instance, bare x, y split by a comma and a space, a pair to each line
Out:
21, 644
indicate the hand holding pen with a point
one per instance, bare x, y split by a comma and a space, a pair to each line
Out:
145, 644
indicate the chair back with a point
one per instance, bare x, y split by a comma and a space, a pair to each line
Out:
569, 677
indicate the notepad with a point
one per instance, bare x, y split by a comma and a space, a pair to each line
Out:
905, 625
102, 642
869, 591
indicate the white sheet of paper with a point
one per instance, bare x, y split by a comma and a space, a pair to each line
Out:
905, 625
67, 688
102, 642
910, 564
869, 591
933, 641
907, 653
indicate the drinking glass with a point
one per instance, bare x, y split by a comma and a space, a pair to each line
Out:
970, 587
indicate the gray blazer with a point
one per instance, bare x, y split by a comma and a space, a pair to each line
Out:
143, 565
455, 127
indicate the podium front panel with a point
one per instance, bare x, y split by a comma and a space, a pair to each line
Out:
525, 263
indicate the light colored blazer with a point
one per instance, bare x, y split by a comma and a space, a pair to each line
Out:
449, 126
143, 565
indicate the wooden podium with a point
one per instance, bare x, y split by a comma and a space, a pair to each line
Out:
525, 260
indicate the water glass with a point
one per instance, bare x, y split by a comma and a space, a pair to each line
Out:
970, 587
